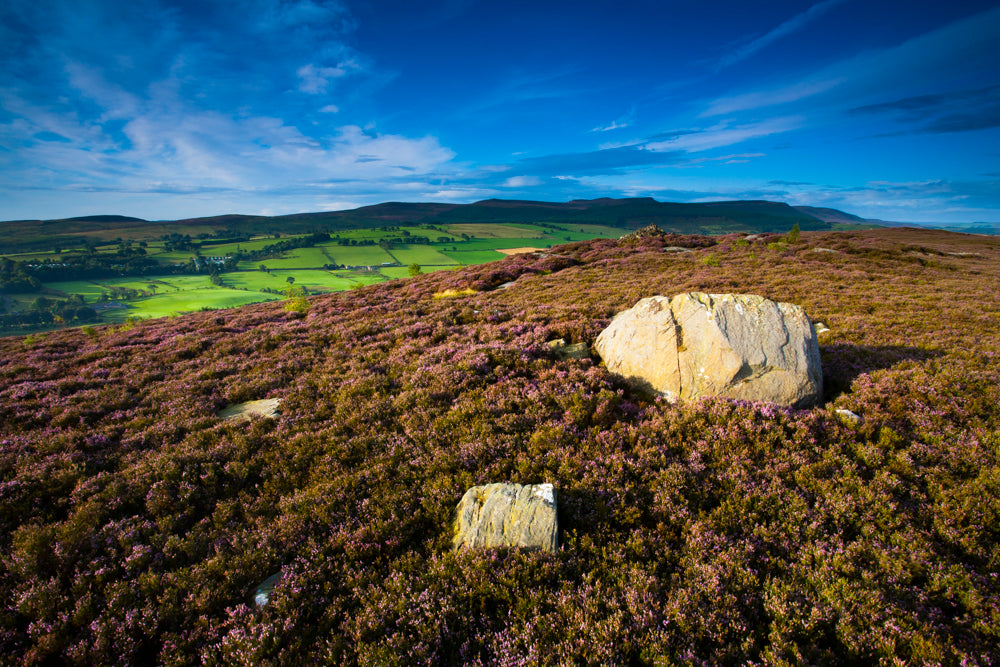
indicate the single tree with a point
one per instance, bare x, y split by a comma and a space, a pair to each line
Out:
793, 235
415, 269
290, 280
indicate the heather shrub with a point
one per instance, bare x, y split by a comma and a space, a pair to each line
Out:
135, 524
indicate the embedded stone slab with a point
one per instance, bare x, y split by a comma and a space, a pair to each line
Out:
739, 346
267, 407
507, 515
564, 350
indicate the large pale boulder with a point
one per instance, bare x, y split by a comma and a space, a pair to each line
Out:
507, 515
738, 346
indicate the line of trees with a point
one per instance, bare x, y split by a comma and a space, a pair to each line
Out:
46, 311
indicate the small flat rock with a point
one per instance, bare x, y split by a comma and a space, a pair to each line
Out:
267, 407
507, 515
569, 351
262, 592
676, 248
574, 351
848, 416
821, 328
820, 249
556, 344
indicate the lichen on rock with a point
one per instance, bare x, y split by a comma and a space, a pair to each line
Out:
507, 515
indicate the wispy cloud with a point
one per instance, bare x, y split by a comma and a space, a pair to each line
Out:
932, 59
953, 111
628, 120
608, 161
768, 98
525, 87
725, 134
788, 27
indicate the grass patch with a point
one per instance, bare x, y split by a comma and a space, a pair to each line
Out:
404, 271
300, 258
328, 281
185, 302
223, 249
423, 255
491, 231
454, 293
358, 255
572, 232
474, 256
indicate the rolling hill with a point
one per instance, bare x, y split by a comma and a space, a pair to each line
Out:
626, 214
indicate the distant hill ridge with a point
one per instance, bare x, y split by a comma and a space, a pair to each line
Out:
627, 214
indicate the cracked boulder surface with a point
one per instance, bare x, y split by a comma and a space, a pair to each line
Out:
739, 346
507, 515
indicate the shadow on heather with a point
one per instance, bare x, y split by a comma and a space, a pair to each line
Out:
842, 363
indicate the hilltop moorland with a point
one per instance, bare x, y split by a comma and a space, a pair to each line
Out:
135, 523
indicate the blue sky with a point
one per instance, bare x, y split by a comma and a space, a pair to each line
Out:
169, 109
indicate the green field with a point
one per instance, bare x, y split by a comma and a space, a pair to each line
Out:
94, 288
495, 231
358, 255
424, 255
300, 258
223, 249
328, 281
186, 302
585, 232
474, 256
495, 244
404, 271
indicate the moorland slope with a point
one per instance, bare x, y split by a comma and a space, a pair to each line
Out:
135, 523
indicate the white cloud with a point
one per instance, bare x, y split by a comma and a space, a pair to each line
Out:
769, 98
522, 181
330, 108
786, 28
167, 145
315, 80
615, 125
723, 135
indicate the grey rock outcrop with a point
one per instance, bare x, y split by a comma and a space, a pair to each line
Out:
507, 515
694, 345
648, 232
